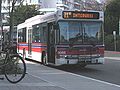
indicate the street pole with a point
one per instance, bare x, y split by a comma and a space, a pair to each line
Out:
0, 25
119, 26
114, 35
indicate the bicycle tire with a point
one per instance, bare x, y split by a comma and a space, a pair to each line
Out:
13, 72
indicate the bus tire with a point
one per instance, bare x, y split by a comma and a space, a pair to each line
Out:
44, 58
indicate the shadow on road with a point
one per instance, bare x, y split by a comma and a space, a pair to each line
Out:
76, 68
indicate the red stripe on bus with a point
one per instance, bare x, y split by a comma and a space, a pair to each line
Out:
33, 49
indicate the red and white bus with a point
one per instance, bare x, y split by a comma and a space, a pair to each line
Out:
63, 37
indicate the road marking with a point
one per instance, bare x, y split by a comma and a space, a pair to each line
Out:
116, 58
95, 80
36, 84
27, 84
100, 81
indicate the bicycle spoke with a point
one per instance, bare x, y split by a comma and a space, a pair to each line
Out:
15, 70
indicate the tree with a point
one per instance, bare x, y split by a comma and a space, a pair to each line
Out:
19, 13
112, 14
11, 15
113, 8
0, 25
24, 12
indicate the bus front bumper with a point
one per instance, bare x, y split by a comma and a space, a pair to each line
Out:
86, 60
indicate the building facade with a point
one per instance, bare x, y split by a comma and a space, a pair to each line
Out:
52, 5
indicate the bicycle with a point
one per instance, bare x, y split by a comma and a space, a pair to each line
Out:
12, 64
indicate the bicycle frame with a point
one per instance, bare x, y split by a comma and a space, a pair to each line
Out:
5, 60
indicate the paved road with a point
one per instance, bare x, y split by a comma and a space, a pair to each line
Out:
40, 77
30, 82
109, 72
69, 81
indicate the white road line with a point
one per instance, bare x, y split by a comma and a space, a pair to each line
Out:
95, 80
100, 81
27, 84
36, 84
116, 58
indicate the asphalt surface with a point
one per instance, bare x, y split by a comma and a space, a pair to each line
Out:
109, 72
63, 80
39, 77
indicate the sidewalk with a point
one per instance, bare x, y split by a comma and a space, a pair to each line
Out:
41, 77
30, 82
112, 55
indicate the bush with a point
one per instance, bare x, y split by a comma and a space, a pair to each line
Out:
109, 42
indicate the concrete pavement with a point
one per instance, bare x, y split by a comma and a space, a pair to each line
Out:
30, 82
112, 55
41, 77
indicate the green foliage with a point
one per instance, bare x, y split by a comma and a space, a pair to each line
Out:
109, 45
111, 24
118, 43
113, 8
21, 13
109, 42
112, 14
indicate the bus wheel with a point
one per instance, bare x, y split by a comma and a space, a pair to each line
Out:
44, 59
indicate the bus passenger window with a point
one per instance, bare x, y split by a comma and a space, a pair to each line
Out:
22, 35
36, 34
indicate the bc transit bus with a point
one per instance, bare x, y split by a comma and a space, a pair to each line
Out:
63, 37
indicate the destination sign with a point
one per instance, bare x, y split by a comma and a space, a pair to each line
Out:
80, 15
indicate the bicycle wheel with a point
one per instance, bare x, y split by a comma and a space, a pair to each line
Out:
15, 69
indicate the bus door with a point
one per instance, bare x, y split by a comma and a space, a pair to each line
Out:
51, 44
29, 41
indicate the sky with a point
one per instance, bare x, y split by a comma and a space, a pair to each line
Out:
101, 0
98, 0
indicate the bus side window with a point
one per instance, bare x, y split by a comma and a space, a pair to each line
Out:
44, 35
52, 34
22, 35
36, 33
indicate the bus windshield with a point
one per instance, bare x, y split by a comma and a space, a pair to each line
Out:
80, 32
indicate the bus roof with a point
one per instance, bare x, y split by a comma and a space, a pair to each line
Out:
53, 16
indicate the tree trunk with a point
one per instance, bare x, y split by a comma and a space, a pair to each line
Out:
0, 25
